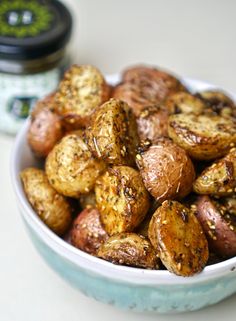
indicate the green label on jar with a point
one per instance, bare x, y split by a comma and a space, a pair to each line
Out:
21, 18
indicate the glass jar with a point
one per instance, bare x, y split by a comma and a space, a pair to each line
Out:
33, 39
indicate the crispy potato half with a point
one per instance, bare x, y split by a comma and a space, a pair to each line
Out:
176, 234
203, 137
166, 169
129, 249
144, 86
82, 89
122, 199
71, 168
220, 178
218, 102
53, 208
219, 226
46, 127
87, 233
184, 102
153, 123
112, 134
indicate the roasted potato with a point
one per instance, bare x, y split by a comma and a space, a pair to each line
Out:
129, 249
112, 134
82, 89
144, 86
220, 178
87, 200
87, 233
203, 137
46, 127
219, 226
176, 234
153, 123
184, 102
218, 103
166, 169
53, 208
71, 168
121, 199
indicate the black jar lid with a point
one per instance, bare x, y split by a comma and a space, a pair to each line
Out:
32, 29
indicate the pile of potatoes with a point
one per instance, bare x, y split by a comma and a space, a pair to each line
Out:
149, 166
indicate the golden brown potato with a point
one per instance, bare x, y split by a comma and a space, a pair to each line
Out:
153, 123
144, 86
179, 239
82, 89
87, 233
219, 226
129, 249
112, 134
87, 200
53, 208
203, 137
121, 199
71, 168
166, 169
218, 102
184, 102
220, 178
45, 128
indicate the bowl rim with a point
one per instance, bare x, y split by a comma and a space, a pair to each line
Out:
94, 264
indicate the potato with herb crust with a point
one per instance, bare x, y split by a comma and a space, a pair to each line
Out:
53, 208
129, 249
153, 123
144, 86
112, 134
166, 169
218, 225
46, 127
184, 103
122, 199
219, 179
203, 137
176, 234
71, 168
87, 233
82, 89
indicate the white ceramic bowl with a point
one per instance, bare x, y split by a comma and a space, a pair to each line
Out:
125, 287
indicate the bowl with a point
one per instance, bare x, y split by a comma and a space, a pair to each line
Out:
124, 287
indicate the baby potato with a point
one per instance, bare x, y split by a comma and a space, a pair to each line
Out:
218, 102
143, 86
82, 89
218, 225
220, 178
176, 234
45, 128
71, 168
203, 137
166, 169
53, 208
129, 249
122, 199
153, 123
87, 233
112, 134
184, 102
87, 200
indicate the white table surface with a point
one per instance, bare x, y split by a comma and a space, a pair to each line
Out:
193, 38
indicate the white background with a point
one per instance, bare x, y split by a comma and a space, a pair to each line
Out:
194, 39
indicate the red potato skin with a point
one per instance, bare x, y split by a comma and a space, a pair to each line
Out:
87, 233
221, 234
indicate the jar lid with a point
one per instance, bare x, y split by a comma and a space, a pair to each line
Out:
31, 29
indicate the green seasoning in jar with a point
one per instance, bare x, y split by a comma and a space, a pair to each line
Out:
33, 37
